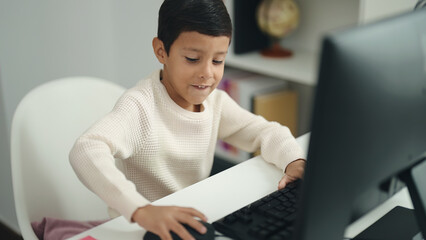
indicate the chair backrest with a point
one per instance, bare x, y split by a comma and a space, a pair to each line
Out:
45, 126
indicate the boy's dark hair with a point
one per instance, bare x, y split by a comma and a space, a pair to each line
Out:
209, 17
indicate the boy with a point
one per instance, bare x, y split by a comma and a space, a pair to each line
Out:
163, 131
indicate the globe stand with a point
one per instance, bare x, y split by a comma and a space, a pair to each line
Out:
276, 51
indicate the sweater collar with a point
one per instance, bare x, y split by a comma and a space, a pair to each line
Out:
155, 77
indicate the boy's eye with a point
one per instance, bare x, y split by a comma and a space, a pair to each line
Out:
191, 59
217, 62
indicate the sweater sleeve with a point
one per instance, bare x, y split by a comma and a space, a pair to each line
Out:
251, 132
93, 155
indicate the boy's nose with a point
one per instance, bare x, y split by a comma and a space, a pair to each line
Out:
206, 72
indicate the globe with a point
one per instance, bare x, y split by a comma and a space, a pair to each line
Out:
277, 19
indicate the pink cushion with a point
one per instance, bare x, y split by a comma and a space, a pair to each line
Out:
58, 229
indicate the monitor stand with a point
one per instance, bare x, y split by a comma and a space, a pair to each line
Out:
398, 224
415, 179
403, 223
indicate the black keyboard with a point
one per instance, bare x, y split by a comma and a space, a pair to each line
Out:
269, 218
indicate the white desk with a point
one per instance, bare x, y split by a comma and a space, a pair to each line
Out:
228, 191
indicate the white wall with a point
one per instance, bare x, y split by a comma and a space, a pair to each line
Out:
47, 39
7, 211
372, 10
134, 24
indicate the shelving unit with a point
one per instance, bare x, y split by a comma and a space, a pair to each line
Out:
302, 68
317, 18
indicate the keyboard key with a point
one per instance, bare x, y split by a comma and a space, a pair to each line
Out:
230, 219
291, 217
256, 204
283, 198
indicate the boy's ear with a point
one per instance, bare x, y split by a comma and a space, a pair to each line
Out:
159, 50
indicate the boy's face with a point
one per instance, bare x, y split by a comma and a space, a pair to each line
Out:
193, 68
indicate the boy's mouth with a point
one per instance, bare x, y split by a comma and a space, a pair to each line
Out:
200, 86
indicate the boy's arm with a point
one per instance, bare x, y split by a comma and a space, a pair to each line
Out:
93, 158
250, 132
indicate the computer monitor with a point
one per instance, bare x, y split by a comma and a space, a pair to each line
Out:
369, 120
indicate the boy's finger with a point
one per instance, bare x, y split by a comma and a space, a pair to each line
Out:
193, 223
195, 213
181, 231
283, 182
165, 234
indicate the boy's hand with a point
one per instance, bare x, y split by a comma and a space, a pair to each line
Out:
294, 171
163, 219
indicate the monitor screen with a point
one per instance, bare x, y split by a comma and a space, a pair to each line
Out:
369, 119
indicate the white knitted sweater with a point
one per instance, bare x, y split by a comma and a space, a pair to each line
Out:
161, 148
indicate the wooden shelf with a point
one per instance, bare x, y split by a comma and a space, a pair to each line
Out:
300, 68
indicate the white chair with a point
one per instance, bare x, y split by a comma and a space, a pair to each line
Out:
45, 126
